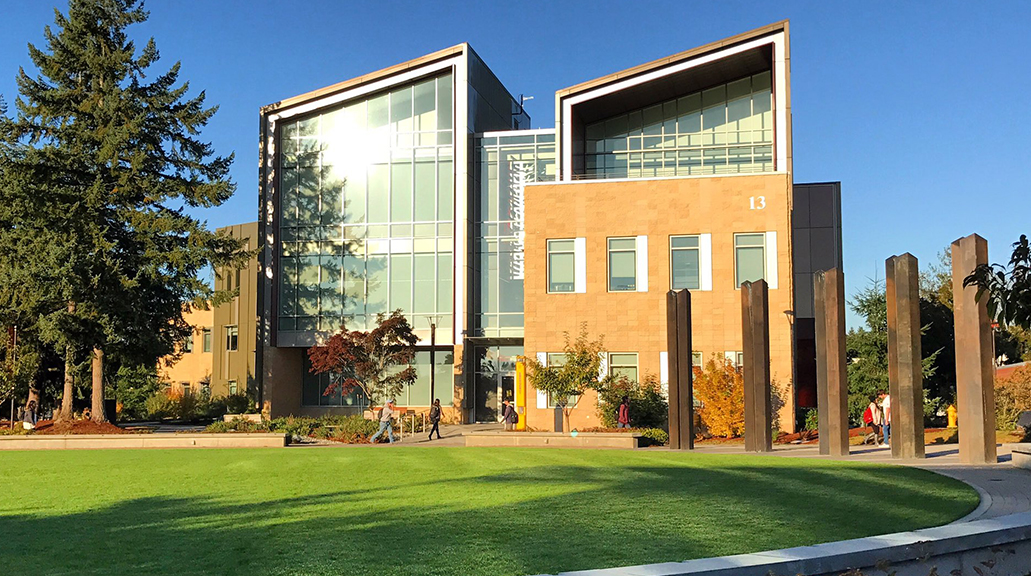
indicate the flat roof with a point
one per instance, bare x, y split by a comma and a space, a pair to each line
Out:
781, 26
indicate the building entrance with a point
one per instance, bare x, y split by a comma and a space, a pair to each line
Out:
495, 380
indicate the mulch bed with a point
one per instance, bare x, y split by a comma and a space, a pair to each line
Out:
78, 427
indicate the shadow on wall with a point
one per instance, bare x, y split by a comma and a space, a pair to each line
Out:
525, 520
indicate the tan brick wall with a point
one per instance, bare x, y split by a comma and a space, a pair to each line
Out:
636, 321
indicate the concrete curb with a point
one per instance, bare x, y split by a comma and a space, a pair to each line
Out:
1003, 543
106, 441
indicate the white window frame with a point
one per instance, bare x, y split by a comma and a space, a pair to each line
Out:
697, 249
765, 274
608, 264
636, 365
548, 252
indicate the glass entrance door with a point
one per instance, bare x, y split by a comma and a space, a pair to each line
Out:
495, 380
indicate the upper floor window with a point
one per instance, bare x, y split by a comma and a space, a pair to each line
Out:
561, 266
623, 364
232, 338
206, 340
188, 344
749, 258
684, 263
725, 129
622, 264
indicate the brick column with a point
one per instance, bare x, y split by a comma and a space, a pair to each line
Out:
905, 368
831, 375
755, 325
975, 374
681, 374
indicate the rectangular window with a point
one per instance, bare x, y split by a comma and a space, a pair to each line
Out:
232, 338
185, 387
232, 386
697, 359
622, 264
684, 263
561, 263
188, 344
206, 340
623, 364
555, 359
749, 258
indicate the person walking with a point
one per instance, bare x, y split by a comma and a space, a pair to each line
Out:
386, 417
886, 419
435, 414
29, 416
509, 416
623, 413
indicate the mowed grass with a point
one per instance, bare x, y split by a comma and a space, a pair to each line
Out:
463, 511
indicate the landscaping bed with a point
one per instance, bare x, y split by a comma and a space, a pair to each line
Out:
344, 429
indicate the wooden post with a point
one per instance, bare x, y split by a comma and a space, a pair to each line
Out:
755, 324
975, 369
905, 366
831, 374
681, 375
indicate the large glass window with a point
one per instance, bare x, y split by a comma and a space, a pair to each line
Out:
232, 338
684, 263
556, 359
726, 129
749, 258
622, 264
367, 201
206, 340
623, 365
313, 386
507, 163
561, 266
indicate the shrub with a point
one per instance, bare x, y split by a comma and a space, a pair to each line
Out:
1012, 396
720, 389
656, 436
350, 429
232, 404
174, 404
812, 419
648, 407
133, 387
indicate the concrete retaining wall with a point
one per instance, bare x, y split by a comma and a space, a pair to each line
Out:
94, 441
1021, 455
553, 439
999, 546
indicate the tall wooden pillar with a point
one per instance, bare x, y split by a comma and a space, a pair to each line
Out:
831, 375
975, 374
681, 375
755, 328
905, 367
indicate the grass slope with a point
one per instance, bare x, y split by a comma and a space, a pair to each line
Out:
465, 511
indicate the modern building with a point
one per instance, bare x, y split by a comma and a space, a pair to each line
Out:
422, 187
236, 321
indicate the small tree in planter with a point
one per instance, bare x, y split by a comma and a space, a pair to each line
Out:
568, 381
369, 361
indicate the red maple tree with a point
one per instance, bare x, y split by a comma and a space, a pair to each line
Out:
369, 360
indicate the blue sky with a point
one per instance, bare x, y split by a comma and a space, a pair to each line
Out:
920, 109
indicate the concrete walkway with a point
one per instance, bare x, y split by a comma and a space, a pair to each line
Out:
1004, 489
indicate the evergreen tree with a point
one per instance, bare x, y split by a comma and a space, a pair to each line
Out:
99, 166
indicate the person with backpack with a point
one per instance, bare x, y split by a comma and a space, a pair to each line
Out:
509, 416
872, 418
623, 413
29, 416
386, 422
435, 414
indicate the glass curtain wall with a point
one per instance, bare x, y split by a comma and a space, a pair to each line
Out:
727, 129
313, 386
367, 212
507, 164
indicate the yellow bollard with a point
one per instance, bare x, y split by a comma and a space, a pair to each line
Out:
951, 411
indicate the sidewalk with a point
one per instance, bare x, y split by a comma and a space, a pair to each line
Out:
1004, 489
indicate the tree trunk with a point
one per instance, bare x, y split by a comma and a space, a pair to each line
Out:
97, 410
65, 415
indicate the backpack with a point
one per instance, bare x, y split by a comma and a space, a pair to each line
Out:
868, 416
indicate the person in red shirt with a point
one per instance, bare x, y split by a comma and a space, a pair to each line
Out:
623, 414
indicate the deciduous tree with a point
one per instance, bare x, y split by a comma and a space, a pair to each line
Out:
578, 372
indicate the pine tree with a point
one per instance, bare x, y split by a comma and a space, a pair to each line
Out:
99, 167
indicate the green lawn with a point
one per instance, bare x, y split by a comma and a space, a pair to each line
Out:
463, 511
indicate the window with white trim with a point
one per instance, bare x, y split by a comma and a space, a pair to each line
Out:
555, 359
623, 364
749, 257
622, 264
561, 266
684, 263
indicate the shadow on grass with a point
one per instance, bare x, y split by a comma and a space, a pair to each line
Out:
527, 520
